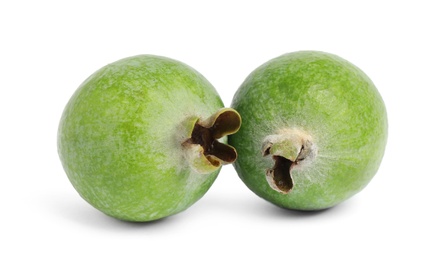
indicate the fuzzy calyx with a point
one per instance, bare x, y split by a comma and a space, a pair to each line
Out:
286, 148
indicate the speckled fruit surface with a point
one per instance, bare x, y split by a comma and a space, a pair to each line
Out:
122, 134
314, 130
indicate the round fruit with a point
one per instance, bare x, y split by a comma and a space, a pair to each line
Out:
314, 131
144, 138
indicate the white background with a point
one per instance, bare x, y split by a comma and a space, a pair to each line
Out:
48, 48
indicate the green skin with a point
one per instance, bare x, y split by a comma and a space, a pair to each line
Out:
322, 96
120, 137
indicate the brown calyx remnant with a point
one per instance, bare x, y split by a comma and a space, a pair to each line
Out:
287, 151
281, 173
205, 134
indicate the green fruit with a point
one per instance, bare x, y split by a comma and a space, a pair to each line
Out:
314, 130
139, 138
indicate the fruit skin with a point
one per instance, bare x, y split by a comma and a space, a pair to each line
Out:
329, 99
120, 137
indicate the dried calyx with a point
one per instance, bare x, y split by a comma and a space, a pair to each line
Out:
287, 148
205, 152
